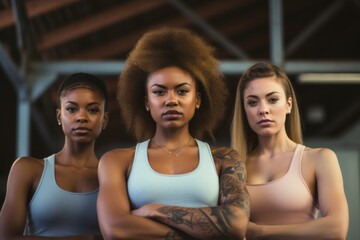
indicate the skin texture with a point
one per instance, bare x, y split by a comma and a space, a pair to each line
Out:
172, 99
82, 118
266, 106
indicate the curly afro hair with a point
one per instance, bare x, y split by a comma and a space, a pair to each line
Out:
171, 47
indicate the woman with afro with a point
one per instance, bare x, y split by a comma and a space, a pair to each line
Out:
172, 184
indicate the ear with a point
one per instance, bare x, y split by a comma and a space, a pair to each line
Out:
289, 104
58, 116
198, 100
105, 120
146, 102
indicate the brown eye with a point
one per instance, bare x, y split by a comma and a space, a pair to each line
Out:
252, 103
94, 110
273, 100
158, 92
182, 91
71, 109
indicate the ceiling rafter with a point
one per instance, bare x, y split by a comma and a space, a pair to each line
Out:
34, 8
304, 35
94, 23
244, 24
112, 48
225, 43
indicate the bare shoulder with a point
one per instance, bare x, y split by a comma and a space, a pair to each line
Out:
319, 153
118, 154
28, 164
320, 156
25, 171
118, 158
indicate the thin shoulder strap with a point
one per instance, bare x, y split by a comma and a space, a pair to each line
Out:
296, 159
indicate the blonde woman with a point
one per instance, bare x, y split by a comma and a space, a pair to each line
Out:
288, 183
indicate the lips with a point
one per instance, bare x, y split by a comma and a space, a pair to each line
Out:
264, 121
171, 114
81, 130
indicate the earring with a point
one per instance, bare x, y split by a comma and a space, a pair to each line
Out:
104, 127
59, 123
147, 108
197, 106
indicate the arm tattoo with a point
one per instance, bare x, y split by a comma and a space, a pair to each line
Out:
215, 221
177, 215
233, 179
187, 216
223, 216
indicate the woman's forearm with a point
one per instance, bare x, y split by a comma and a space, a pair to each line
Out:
202, 223
134, 227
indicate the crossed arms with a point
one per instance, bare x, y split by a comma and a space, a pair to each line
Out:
154, 221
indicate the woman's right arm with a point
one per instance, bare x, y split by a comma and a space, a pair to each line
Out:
114, 212
19, 184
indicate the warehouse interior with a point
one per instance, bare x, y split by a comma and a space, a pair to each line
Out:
315, 42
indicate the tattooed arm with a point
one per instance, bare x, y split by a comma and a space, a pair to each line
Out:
228, 220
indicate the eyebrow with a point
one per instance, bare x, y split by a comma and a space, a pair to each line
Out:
177, 86
267, 95
75, 103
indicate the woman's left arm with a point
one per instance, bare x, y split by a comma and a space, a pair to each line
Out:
334, 220
228, 220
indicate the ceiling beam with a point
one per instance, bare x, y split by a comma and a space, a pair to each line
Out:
34, 9
216, 35
246, 22
227, 67
125, 43
92, 24
313, 27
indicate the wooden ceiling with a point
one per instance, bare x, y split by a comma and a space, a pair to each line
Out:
75, 34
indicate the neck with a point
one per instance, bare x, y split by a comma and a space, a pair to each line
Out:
83, 155
172, 145
274, 144
172, 138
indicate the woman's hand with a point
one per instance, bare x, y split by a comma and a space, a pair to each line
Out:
148, 210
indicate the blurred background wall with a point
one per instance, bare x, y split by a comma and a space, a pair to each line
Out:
315, 42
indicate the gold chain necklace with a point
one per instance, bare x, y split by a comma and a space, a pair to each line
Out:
176, 152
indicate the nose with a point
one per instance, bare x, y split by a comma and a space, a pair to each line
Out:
82, 117
80, 120
171, 100
263, 110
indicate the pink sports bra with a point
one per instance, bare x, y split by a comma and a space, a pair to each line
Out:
285, 200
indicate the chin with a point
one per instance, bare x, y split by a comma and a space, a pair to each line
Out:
265, 133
